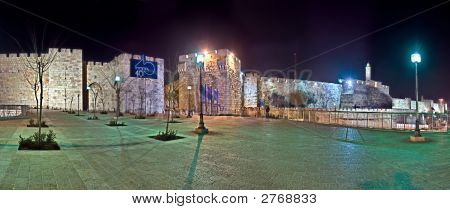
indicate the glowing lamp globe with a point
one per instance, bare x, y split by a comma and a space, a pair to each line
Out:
200, 58
415, 58
117, 79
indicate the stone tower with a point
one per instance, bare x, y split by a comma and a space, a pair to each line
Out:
222, 73
368, 72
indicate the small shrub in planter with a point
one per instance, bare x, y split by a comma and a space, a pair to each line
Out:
115, 123
36, 142
71, 112
139, 117
174, 121
170, 135
103, 112
93, 118
31, 123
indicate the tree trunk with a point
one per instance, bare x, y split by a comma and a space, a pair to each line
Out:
95, 103
37, 100
168, 116
41, 72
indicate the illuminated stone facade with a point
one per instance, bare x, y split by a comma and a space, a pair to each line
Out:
222, 72
350, 94
62, 81
279, 92
137, 95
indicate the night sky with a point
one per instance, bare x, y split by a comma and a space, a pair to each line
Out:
263, 34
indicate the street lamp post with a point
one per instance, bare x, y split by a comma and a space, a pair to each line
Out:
78, 100
88, 88
201, 129
116, 85
416, 59
189, 100
65, 90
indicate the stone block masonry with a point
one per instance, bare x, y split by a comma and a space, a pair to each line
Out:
279, 92
138, 95
63, 83
64, 78
222, 71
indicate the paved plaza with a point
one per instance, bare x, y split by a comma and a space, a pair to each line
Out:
239, 153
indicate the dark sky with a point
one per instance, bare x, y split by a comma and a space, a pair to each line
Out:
263, 34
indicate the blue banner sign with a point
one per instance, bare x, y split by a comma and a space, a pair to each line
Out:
216, 96
143, 69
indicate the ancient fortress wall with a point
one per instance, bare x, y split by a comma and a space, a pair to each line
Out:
65, 79
361, 94
62, 79
425, 106
134, 90
252, 82
315, 94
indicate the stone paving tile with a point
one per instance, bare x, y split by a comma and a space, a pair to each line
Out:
240, 153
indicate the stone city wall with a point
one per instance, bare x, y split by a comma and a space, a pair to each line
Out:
361, 94
134, 90
251, 86
424, 106
62, 79
314, 94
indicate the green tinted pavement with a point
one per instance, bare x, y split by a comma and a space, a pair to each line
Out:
239, 153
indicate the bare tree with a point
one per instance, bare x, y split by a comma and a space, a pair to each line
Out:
32, 79
142, 99
95, 88
117, 80
39, 63
102, 99
152, 99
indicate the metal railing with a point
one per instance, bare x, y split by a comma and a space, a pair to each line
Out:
378, 119
14, 111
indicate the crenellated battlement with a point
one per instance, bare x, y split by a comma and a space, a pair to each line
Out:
96, 63
58, 50
66, 50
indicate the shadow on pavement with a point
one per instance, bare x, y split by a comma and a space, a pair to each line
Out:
193, 168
